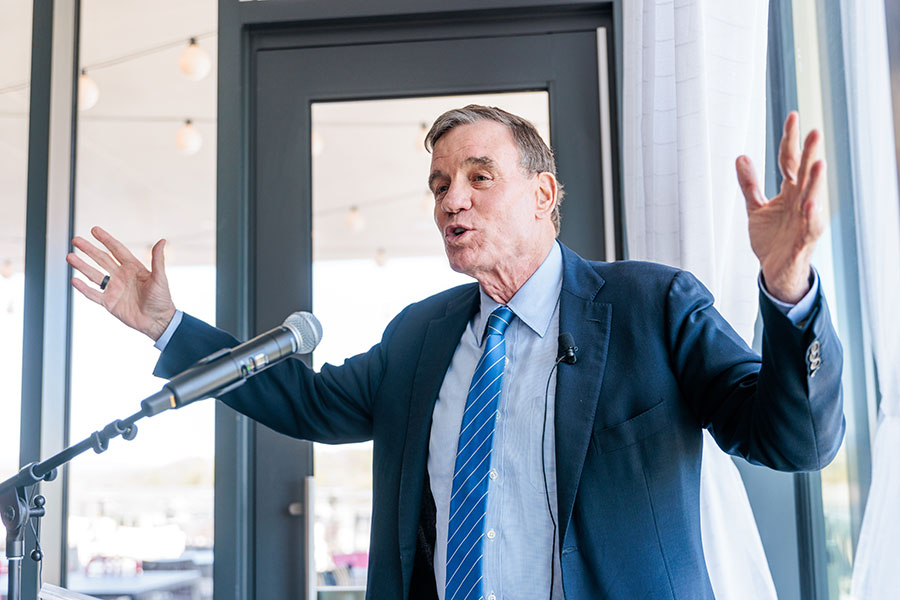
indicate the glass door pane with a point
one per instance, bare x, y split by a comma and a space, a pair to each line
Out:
375, 250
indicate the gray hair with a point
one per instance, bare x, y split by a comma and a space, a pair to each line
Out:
534, 155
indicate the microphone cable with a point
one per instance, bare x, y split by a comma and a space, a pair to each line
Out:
544, 473
566, 353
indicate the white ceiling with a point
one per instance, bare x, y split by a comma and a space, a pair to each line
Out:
131, 179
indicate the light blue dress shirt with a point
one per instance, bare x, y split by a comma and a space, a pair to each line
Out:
163, 340
518, 542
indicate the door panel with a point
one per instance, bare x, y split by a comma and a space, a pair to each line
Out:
284, 84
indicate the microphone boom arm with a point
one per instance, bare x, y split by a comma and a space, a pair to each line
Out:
16, 510
214, 375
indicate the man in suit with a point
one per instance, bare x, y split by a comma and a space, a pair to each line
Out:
485, 486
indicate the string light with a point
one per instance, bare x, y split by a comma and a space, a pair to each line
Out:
7, 269
88, 92
188, 139
194, 61
354, 220
22, 85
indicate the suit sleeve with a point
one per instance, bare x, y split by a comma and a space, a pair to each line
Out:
784, 409
332, 406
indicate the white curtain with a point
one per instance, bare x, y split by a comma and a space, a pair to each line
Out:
876, 572
694, 98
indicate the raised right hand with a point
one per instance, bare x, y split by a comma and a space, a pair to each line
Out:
137, 297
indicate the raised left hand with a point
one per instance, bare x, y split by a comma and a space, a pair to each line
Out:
784, 229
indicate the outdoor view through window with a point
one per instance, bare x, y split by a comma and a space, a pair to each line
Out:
141, 515
15, 48
375, 250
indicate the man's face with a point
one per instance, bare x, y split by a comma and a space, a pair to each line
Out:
486, 206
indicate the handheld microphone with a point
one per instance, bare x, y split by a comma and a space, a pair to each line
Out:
567, 349
229, 368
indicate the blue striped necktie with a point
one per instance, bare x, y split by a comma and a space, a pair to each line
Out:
468, 499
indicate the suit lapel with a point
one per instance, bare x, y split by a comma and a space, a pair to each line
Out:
578, 386
441, 339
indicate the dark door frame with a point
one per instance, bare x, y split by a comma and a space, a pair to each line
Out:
245, 492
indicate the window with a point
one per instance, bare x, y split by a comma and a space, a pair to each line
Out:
815, 58
141, 515
15, 71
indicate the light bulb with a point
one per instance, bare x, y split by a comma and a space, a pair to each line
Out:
355, 220
188, 139
420, 138
426, 205
194, 62
88, 92
317, 144
380, 257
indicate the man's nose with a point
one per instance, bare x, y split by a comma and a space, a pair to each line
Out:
456, 198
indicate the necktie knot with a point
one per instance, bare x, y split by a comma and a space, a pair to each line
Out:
499, 320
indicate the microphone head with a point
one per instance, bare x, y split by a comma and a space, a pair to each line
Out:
307, 329
567, 349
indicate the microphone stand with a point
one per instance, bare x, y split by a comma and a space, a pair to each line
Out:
17, 510
208, 378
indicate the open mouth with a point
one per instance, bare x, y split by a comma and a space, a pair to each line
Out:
455, 232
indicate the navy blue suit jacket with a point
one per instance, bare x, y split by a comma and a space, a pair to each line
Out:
656, 363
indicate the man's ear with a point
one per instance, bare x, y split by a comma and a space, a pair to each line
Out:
545, 195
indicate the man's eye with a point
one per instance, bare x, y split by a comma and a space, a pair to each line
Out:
440, 189
479, 177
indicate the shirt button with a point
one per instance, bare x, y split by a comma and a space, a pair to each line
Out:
493, 474
491, 596
498, 415
505, 362
491, 534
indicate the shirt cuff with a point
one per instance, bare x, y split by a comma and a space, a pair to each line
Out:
796, 313
163, 340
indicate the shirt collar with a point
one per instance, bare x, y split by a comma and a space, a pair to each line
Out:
535, 301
